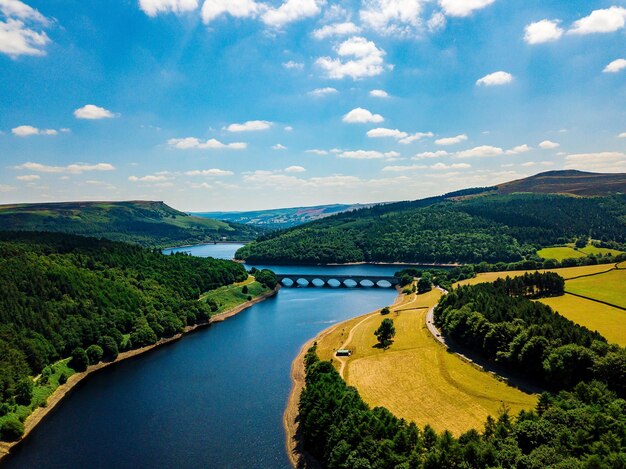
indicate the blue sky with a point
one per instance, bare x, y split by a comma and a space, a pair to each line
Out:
245, 104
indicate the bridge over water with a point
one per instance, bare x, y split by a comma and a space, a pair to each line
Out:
336, 281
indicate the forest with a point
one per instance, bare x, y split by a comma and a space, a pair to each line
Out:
448, 229
499, 321
87, 298
584, 427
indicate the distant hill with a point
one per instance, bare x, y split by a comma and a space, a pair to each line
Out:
568, 182
147, 223
282, 217
468, 226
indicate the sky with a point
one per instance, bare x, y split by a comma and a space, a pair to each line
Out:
221, 105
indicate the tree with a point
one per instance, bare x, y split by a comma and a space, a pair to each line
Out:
80, 360
424, 285
385, 332
385, 311
109, 348
11, 430
94, 353
24, 391
244, 290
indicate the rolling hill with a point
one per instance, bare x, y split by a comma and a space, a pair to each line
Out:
568, 182
468, 226
147, 223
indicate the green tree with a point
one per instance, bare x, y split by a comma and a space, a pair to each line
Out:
385, 311
109, 348
94, 353
11, 429
424, 285
244, 290
80, 360
385, 332
24, 391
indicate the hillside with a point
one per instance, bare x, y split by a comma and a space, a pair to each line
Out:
147, 223
568, 182
281, 218
468, 226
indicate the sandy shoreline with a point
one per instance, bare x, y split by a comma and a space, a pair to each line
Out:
64, 390
297, 456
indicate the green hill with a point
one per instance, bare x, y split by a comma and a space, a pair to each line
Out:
568, 182
468, 226
147, 223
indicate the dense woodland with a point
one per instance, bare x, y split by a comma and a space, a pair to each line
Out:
452, 228
86, 298
499, 321
581, 428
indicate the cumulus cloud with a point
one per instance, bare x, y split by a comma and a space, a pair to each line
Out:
430, 154
397, 17
149, 178
403, 168
463, 7
279, 147
29, 130
28, 177
336, 29
542, 31
483, 151
548, 145
381, 132
21, 32
319, 92
293, 65
615, 66
600, 21
315, 151
357, 58
379, 94
451, 140
443, 166
93, 112
209, 172
189, 143
601, 161
295, 169
213, 9
368, 155
362, 116
622, 135
495, 79
518, 150
154, 7
249, 126
75, 168
290, 11
415, 137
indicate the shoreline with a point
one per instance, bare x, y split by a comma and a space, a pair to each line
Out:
64, 390
297, 456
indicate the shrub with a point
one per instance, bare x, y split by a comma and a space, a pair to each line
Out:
109, 348
24, 391
79, 360
244, 290
385, 310
11, 430
94, 354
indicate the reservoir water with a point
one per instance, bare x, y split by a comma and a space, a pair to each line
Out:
213, 399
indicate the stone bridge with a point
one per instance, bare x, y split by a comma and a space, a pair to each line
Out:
336, 281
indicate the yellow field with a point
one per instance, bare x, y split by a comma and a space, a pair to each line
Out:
559, 253
609, 287
416, 378
608, 321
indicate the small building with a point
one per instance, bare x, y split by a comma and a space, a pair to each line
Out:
343, 353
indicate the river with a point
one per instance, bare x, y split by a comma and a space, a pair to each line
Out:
213, 399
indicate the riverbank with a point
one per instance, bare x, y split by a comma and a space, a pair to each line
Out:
297, 456
64, 390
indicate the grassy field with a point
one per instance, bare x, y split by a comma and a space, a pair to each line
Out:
559, 253
609, 287
608, 321
590, 249
416, 378
231, 295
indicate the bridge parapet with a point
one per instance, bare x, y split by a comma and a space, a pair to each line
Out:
350, 281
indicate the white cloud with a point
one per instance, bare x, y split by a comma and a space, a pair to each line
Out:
495, 79
600, 21
381, 132
443, 166
28, 177
547, 145
293, 65
483, 151
379, 94
149, 178
209, 172
154, 7
415, 137
92, 112
400, 169
602, 161
622, 135
249, 126
436, 22
288, 128
28, 130
615, 66
542, 31
212, 9
279, 147
463, 7
368, 155
451, 140
317, 152
397, 17
18, 9
6, 188
290, 11
529, 164
336, 29
295, 169
319, 92
518, 150
358, 58
362, 116
21, 32
430, 154
188, 143
75, 168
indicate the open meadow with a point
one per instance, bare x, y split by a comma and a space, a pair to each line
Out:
230, 296
609, 287
416, 378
